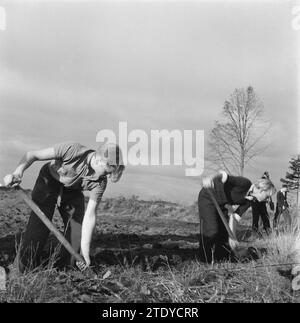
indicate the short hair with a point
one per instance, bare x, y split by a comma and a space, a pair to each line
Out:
265, 185
112, 155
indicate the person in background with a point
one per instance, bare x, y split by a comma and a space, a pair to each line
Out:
282, 207
259, 211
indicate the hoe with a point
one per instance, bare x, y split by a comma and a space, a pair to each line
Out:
49, 225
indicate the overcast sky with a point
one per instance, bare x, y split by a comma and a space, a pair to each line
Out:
68, 70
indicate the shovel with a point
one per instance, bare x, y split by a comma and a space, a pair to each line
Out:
49, 224
44, 219
239, 250
229, 231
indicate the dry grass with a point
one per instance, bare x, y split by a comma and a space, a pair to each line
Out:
265, 281
189, 282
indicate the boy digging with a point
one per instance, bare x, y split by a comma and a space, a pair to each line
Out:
228, 191
73, 169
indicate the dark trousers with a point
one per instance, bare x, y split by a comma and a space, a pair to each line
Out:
213, 242
259, 210
45, 194
277, 214
286, 215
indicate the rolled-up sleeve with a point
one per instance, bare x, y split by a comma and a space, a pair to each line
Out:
65, 150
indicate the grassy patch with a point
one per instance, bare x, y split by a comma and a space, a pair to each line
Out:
187, 281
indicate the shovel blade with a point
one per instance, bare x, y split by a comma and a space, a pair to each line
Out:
2, 279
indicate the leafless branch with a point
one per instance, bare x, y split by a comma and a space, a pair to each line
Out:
236, 139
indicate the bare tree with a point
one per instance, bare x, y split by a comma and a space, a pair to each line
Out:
237, 138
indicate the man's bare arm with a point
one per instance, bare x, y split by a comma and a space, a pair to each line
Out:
26, 161
88, 225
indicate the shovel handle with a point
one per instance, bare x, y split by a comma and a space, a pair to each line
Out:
230, 233
49, 224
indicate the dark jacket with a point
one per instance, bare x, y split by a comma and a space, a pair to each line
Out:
233, 192
282, 199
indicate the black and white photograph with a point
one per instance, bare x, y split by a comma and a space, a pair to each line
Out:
149, 153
